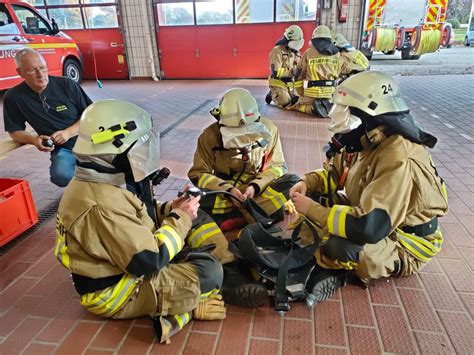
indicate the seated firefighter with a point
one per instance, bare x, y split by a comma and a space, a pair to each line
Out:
122, 248
377, 202
283, 62
319, 66
241, 155
352, 60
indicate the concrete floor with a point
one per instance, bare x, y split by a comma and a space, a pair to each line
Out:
431, 312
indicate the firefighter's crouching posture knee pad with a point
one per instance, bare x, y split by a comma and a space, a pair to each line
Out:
209, 270
211, 308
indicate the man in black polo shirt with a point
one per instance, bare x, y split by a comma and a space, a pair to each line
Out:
52, 106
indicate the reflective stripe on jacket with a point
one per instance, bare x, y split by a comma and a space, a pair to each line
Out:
315, 66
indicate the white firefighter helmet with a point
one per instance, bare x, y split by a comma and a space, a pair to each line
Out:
322, 32
294, 34
372, 92
239, 116
111, 127
341, 42
237, 108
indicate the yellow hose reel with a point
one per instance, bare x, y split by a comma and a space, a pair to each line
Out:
425, 40
384, 39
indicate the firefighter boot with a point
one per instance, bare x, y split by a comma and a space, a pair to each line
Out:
268, 98
323, 283
239, 289
294, 99
321, 108
165, 327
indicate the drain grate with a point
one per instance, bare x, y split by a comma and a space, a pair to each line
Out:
44, 217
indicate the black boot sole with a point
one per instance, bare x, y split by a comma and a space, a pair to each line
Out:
248, 296
268, 98
324, 289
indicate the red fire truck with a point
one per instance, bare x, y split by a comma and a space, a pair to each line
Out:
22, 26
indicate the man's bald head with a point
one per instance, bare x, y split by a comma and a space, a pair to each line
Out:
31, 66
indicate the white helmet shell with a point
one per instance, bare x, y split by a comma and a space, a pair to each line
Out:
294, 34
110, 127
238, 108
372, 92
322, 32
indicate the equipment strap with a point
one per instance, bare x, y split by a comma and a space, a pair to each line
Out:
322, 83
422, 230
281, 295
84, 284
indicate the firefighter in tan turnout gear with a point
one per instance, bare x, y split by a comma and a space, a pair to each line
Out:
241, 153
122, 248
284, 58
352, 60
378, 200
319, 66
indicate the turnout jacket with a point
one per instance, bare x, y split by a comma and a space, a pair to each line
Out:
352, 62
318, 67
216, 168
389, 187
104, 230
284, 61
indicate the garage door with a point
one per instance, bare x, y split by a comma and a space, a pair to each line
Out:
225, 38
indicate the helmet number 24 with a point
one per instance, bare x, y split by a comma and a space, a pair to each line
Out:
386, 89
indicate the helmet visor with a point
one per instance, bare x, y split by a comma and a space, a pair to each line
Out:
342, 121
240, 137
144, 156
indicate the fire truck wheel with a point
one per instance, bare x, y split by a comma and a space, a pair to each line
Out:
406, 54
72, 70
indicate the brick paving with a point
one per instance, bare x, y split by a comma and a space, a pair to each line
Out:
431, 312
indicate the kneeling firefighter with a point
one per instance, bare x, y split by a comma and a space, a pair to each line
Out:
377, 202
284, 58
352, 60
121, 247
319, 66
241, 154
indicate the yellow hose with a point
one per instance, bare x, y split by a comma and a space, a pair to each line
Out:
429, 41
385, 40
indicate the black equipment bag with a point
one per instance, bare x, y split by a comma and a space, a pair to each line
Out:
284, 265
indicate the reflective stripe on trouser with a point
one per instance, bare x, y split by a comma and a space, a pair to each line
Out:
270, 200
107, 302
60, 249
171, 325
304, 104
175, 289
280, 83
205, 231
276, 194
372, 261
422, 249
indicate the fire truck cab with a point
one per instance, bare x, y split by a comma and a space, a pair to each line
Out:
22, 26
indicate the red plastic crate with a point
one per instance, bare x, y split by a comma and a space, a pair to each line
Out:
17, 209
